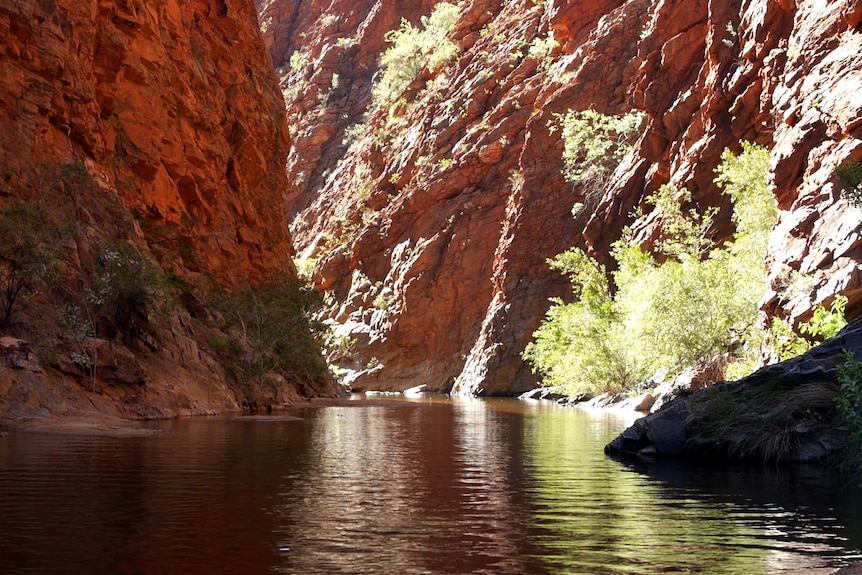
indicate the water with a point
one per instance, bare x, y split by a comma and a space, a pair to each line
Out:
425, 487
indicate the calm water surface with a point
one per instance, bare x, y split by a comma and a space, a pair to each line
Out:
431, 486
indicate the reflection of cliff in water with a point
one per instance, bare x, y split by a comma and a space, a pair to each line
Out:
433, 487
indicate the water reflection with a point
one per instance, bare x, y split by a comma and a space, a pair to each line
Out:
431, 486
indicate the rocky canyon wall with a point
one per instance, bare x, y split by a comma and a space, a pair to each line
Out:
428, 221
171, 104
171, 114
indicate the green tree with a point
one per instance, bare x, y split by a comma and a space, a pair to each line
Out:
274, 335
582, 346
28, 258
700, 302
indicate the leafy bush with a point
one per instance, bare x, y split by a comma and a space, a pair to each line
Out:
850, 175
701, 302
784, 343
273, 334
127, 289
849, 404
71, 320
594, 143
28, 258
682, 233
581, 346
414, 48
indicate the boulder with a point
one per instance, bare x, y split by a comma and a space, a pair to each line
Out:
782, 412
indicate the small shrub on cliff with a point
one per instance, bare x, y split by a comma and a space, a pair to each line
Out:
595, 143
849, 405
850, 175
783, 343
127, 290
28, 259
414, 48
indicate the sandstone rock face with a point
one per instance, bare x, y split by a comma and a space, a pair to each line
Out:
429, 220
173, 113
172, 105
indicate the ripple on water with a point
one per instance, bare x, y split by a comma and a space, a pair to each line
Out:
413, 488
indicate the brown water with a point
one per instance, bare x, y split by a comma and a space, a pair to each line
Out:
432, 486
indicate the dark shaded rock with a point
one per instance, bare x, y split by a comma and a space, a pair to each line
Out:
194, 305
782, 412
18, 354
661, 433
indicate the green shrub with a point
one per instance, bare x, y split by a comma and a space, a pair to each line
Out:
78, 329
272, 334
700, 303
581, 346
28, 258
414, 48
784, 343
682, 233
850, 175
849, 405
127, 290
826, 323
594, 143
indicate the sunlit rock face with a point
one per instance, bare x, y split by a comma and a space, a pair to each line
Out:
174, 110
430, 221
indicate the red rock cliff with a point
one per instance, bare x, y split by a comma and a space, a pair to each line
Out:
173, 106
431, 222
174, 111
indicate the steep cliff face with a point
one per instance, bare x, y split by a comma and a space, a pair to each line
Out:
429, 220
172, 104
157, 125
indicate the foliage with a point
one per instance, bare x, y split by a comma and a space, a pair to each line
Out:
541, 49
784, 343
127, 289
582, 346
414, 48
71, 320
849, 404
825, 324
338, 345
594, 143
850, 175
28, 258
744, 177
683, 232
273, 333
298, 61
701, 302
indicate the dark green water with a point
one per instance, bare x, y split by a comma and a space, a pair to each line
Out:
431, 486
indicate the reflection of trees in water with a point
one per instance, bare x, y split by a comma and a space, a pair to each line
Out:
431, 487
597, 515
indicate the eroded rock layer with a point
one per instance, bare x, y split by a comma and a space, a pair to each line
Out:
430, 219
